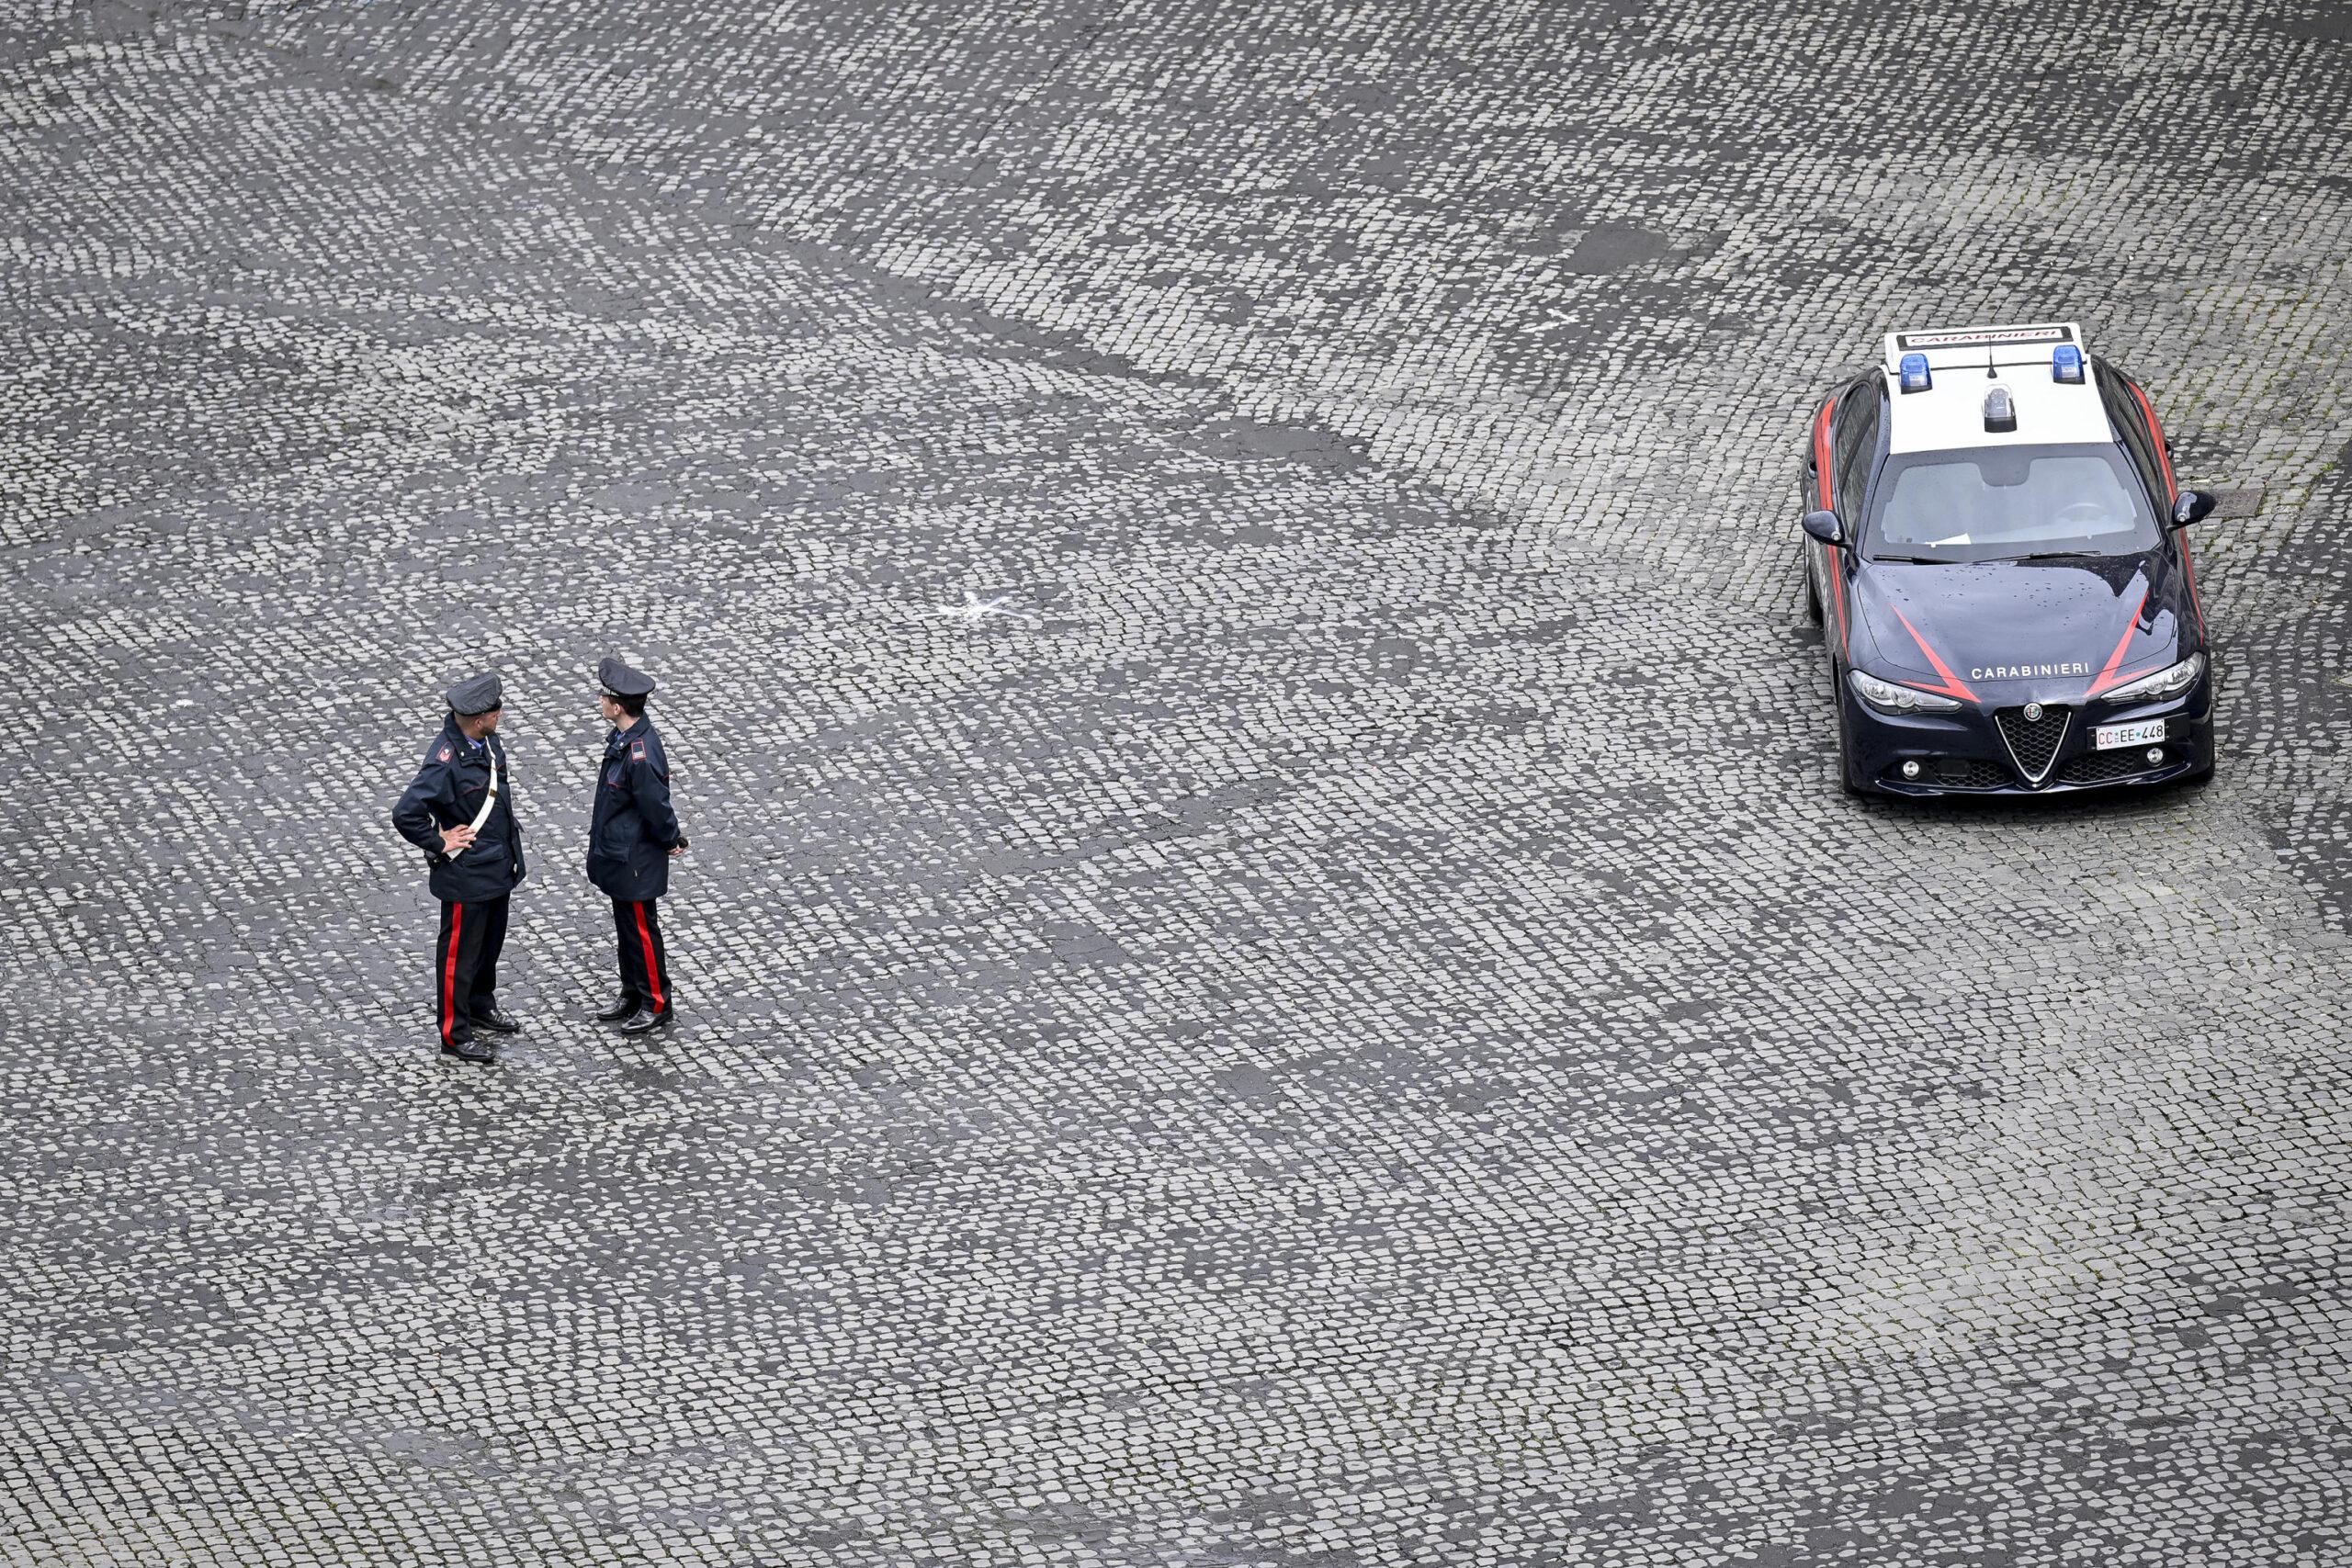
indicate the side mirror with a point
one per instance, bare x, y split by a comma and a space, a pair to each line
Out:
1825, 526
2192, 505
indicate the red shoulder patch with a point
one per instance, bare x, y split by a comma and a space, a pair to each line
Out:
446, 754
636, 751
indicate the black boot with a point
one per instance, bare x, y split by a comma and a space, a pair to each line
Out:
465, 1048
619, 1008
497, 1022
647, 1022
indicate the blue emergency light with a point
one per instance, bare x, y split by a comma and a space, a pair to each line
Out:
1915, 373
2066, 364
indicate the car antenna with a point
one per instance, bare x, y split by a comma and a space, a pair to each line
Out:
1990, 373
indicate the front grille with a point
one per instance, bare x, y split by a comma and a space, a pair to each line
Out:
2106, 767
2033, 742
1954, 773
1970, 772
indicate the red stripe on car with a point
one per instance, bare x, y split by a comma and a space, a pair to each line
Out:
2156, 434
1821, 451
2172, 493
1837, 594
2106, 676
1953, 686
1829, 555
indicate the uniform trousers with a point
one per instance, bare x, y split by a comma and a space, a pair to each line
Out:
645, 962
464, 964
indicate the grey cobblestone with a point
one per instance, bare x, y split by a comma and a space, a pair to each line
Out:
1274, 971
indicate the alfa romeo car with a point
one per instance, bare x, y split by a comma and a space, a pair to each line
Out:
1993, 541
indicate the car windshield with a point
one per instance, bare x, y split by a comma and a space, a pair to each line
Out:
2007, 503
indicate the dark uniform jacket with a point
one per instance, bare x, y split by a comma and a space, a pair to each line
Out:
448, 791
632, 829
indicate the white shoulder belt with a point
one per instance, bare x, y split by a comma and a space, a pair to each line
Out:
490, 797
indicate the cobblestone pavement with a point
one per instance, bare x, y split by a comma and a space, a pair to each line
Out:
1275, 973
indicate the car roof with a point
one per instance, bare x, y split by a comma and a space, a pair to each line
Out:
1949, 414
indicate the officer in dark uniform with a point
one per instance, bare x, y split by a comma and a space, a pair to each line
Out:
632, 833
461, 812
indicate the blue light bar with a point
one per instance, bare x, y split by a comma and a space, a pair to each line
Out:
1915, 373
2066, 364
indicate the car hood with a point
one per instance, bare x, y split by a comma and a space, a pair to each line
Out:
2004, 632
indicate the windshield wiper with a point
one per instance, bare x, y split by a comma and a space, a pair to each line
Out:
1919, 561
2057, 555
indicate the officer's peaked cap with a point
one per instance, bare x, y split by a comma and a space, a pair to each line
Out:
476, 693
622, 680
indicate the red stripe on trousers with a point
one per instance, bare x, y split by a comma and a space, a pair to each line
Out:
449, 971
652, 969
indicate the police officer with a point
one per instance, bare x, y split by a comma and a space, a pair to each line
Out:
632, 833
461, 812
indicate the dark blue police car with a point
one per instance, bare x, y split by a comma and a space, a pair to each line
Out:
1994, 545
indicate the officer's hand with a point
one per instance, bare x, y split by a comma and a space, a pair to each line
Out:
454, 841
677, 849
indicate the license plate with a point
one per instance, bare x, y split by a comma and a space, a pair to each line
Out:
2109, 737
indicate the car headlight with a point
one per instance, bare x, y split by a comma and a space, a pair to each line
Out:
1888, 697
2169, 681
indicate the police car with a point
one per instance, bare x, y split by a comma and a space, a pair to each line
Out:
1993, 543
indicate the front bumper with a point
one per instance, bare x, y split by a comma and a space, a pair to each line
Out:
1967, 752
